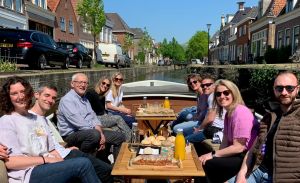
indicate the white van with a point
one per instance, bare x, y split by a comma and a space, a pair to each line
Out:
112, 55
197, 61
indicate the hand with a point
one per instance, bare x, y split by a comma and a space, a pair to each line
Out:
73, 148
3, 152
205, 157
197, 129
102, 142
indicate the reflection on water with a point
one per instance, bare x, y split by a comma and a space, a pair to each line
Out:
174, 76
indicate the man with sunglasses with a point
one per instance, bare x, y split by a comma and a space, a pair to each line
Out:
78, 123
276, 152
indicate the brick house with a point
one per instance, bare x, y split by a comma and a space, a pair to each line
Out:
262, 31
288, 26
12, 14
65, 25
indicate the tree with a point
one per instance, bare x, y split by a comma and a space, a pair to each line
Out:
145, 44
197, 45
92, 13
171, 50
128, 42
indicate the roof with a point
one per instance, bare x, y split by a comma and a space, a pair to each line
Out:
275, 8
74, 4
240, 15
52, 4
119, 24
138, 33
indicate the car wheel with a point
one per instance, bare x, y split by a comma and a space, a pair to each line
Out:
79, 64
66, 63
106, 65
41, 62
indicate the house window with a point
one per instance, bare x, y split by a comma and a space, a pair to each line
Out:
279, 39
244, 29
8, 4
71, 28
43, 4
289, 5
37, 2
19, 6
296, 39
240, 31
62, 24
287, 37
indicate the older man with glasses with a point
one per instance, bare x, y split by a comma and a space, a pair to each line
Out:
78, 123
276, 153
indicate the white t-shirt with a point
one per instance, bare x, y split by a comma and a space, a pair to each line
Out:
219, 121
115, 101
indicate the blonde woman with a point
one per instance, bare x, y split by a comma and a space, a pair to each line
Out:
96, 96
114, 100
240, 131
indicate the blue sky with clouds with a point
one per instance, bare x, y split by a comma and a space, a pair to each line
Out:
174, 18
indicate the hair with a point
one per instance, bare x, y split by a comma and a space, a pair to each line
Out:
5, 101
97, 85
235, 92
42, 88
74, 76
286, 72
194, 76
208, 76
114, 89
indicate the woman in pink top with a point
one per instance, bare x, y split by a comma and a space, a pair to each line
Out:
240, 130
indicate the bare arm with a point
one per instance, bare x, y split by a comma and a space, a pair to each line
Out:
209, 118
22, 162
121, 108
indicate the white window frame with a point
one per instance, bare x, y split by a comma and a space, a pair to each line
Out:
62, 24
71, 27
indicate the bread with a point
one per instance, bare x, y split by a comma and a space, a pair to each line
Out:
146, 141
148, 150
156, 142
171, 139
151, 138
161, 138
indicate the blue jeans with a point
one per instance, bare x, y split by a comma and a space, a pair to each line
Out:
186, 114
103, 170
188, 127
196, 137
128, 119
65, 171
257, 176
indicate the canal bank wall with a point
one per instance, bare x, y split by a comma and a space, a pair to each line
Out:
62, 79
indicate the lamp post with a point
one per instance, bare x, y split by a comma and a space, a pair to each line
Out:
208, 28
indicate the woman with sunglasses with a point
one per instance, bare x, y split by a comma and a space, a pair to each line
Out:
240, 131
32, 155
114, 100
96, 97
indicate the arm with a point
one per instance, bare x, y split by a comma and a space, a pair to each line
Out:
23, 162
209, 118
3, 152
121, 108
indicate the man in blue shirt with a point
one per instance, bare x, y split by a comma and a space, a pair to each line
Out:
78, 123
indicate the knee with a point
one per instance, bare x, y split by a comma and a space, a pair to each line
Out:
83, 163
94, 136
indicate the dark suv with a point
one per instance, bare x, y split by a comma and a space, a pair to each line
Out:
31, 47
79, 55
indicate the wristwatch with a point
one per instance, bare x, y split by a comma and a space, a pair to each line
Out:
213, 154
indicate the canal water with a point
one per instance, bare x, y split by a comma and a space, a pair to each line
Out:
174, 76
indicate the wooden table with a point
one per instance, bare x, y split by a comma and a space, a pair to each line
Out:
191, 167
148, 120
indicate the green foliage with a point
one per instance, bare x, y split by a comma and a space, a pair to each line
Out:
261, 82
281, 55
128, 43
145, 45
172, 50
141, 57
6, 66
197, 45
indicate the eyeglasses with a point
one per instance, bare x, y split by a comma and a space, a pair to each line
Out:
105, 84
81, 82
206, 85
195, 82
288, 88
119, 79
225, 93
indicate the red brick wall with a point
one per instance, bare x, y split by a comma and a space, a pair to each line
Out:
65, 9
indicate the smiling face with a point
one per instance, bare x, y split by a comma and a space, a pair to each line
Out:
80, 84
104, 85
207, 86
195, 84
286, 89
18, 97
46, 99
118, 80
223, 96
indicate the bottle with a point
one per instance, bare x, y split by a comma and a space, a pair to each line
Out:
179, 153
167, 103
135, 136
144, 105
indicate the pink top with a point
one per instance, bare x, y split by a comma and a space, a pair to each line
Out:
241, 124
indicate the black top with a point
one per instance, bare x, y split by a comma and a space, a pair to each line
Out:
97, 101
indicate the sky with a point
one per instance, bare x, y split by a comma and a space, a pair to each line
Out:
174, 18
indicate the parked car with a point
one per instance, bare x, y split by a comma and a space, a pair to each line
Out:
31, 47
79, 55
112, 54
197, 61
127, 60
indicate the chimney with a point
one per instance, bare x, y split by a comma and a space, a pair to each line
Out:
241, 6
222, 20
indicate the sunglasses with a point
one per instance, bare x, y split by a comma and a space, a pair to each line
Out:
195, 82
119, 79
206, 85
105, 84
288, 88
225, 93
